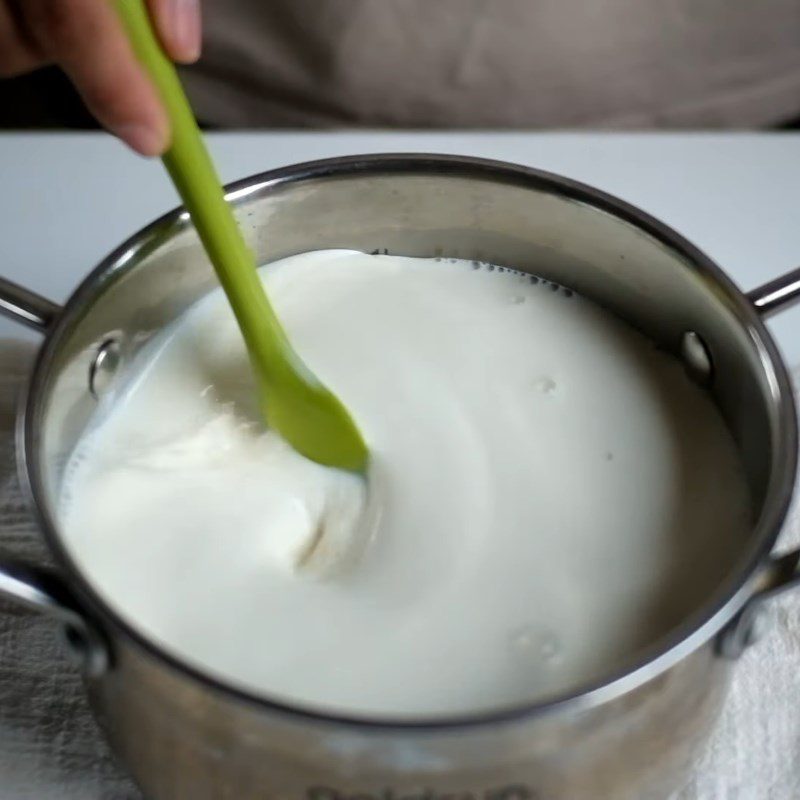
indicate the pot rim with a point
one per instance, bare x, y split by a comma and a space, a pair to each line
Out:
694, 632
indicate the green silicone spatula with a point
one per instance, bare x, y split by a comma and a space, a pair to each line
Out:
309, 416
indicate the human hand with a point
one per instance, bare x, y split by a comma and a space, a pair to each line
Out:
86, 39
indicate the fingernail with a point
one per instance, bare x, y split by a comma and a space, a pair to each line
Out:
142, 138
186, 28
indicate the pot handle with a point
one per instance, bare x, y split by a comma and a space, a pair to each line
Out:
37, 587
26, 307
43, 590
777, 295
781, 574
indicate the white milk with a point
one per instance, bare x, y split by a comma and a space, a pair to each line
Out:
547, 493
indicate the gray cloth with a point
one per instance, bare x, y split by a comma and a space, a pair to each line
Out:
50, 748
498, 63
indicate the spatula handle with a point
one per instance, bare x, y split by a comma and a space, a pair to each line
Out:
198, 184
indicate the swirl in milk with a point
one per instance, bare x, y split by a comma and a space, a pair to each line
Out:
548, 493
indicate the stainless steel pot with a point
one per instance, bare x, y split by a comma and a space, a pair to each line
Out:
634, 734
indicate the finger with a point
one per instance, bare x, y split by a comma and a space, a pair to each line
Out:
179, 27
18, 54
87, 39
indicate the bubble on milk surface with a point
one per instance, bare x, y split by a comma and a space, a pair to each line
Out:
534, 644
545, 385
534, 280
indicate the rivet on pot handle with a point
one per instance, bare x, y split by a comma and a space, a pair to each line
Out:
26, 307
43, 590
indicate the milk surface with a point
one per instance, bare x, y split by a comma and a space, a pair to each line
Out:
548, 493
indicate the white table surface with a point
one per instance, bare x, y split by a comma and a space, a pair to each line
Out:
67, 199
